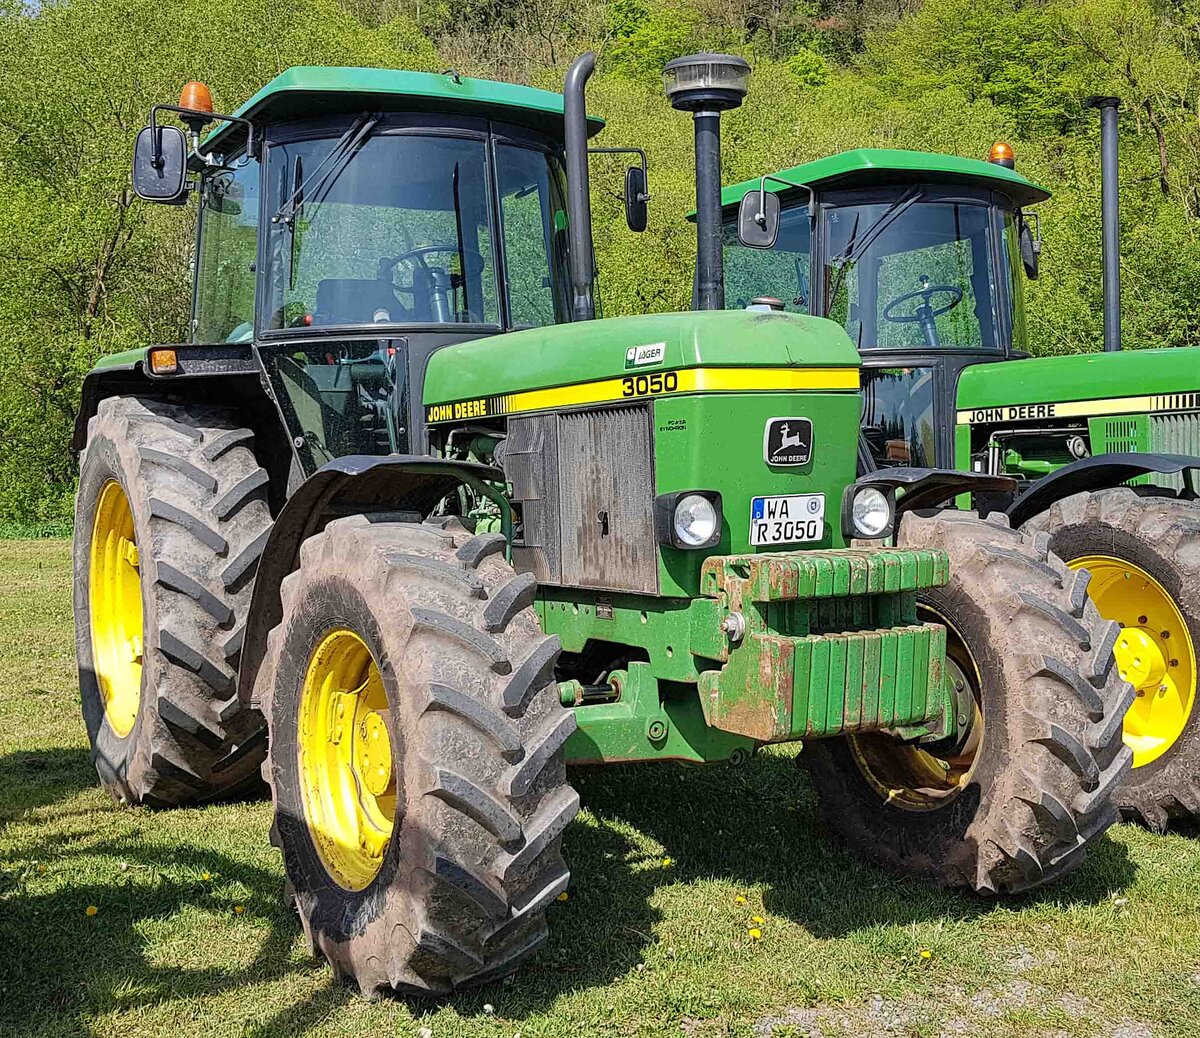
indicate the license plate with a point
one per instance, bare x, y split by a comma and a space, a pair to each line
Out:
790, 519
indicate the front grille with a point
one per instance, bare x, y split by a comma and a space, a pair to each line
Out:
1124, 436
1175, 434
585, 484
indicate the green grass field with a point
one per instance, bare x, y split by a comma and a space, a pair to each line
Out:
190, 935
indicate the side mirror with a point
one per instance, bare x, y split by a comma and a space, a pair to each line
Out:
758, 219
1031, 247
160, 156
635, 198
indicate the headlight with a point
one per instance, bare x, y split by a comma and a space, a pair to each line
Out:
868, 514
695, 520
688, 518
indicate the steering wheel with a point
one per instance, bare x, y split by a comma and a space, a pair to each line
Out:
387, 266
436, 285
925, 311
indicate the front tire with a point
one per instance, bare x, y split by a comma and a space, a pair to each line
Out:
170, 519
1143, 551
1017, 806
416, 756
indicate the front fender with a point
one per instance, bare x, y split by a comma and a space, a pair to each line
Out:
405, 483
1098, 473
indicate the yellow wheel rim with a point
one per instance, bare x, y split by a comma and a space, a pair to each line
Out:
115, 609
347, 772
1155, 652
914, 778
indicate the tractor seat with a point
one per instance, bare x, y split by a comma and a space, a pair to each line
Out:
357, 301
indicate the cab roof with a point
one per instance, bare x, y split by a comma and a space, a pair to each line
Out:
307, 91
864, 167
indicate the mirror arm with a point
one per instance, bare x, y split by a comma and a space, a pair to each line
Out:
643, 196
761, 217
210, 116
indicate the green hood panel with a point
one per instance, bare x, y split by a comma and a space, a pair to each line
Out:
126, 360
1081, 376
563, 355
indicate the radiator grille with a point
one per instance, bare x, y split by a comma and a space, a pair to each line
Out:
1124, 435
1175, 434
585, 483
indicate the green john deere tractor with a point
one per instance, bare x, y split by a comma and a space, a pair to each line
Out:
922, 259
405, 525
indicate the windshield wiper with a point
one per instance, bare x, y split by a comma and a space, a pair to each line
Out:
856, 245
325, 173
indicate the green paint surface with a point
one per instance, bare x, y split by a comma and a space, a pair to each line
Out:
309, 91
124, 361
872, 165
583, 352
1081, 376
714, 441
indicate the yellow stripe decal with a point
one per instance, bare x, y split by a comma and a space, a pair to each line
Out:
1081, 408
646, 385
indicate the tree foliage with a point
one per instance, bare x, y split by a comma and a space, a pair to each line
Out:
85, 269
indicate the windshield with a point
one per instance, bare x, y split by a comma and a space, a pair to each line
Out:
912, 274
399, 228
781, 272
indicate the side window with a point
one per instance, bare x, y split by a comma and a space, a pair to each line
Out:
531, 210
781, 271
226, 255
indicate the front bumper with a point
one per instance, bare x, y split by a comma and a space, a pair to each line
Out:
824, 643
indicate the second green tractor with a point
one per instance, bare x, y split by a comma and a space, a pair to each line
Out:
922, 259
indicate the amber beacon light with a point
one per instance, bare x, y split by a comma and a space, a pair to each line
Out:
1002, 155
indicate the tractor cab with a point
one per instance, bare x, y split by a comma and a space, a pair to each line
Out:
352, 222
920, 257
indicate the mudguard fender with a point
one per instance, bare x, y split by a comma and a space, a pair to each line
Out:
406, 483
1096, 473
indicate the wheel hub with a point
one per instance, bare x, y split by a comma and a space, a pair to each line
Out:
115, 608
1154, 653
347, 774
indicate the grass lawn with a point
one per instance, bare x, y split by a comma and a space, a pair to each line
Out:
191, 937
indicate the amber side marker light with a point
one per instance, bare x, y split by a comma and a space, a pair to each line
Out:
1002, 155
163, 362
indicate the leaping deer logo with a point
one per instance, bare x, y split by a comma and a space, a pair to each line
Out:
788, 441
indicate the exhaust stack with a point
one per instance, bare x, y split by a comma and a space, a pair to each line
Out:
706, 85
1110, 219
579, 194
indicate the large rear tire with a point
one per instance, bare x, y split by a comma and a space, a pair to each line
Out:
1017, 806
416, 756
170, 518
1143, 550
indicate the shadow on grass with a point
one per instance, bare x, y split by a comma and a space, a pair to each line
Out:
755, 826
30, 779
60, 966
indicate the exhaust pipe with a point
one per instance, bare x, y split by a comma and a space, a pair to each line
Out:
579, 194
706, 85
1110, 219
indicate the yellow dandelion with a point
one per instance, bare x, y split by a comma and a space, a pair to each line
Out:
757, 919
739, 900
205, 876
926, 953
41, 867
668, 862
239, 909
755, 933
564, 896
91, 910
